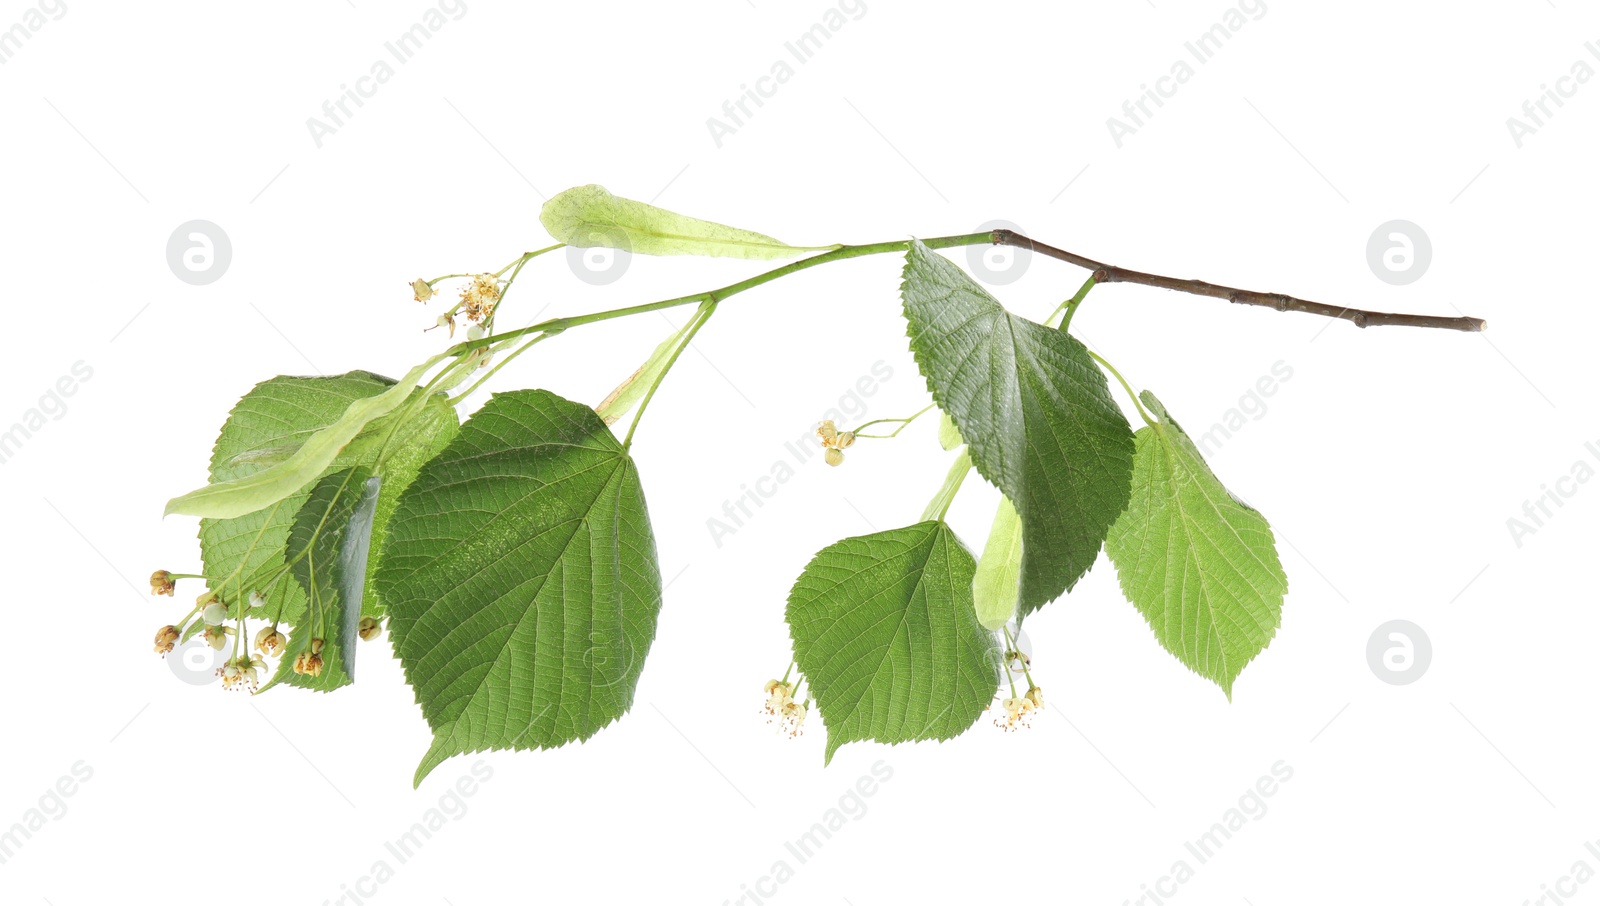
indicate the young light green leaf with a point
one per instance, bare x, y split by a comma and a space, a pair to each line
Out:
997, 583
589, 216
884, 632
263, 488
521, 581
949, 435
1199, 564
279, 414
1034, 410
327, 557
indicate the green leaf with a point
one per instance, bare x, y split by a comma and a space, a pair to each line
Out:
284, 477
1198, 563
327, 556
521, 580
884, 632
268, 424
998, 581
1035, 412
589, 216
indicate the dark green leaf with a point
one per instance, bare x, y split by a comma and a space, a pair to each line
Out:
1035, 411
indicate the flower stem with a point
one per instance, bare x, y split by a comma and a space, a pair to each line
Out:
707, 308
1131, 395
903, 423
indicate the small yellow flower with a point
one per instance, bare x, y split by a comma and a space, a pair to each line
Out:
162, 583
1035, 695
166, 639
241, 672
778, 695
1018, 711
421, 290
479, 298
270, 641
794, 717
834, 442
217, 636
369, 629
308, 663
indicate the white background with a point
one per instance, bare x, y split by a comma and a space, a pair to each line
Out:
1389, 463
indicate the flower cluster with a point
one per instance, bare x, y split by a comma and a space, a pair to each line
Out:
834, 442
309, 661
784, 708
242, 672
1019, 711
219, 624
479, 297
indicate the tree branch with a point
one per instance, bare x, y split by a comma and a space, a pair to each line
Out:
1106, 273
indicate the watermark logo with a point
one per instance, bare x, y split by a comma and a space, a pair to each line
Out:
52, 806
998, 265
1540, 510
737, 511
1250, 807
52, 406
199, 252
337, 112
1399, 252
1138, 111
604, 263
1538, 110
195, 662
1399, 652
741, 108
450, 807
1252, 407
851, 806
12, 39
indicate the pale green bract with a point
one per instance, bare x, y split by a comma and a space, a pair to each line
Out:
1034, 410
521, 581
266, 426
997, 583
884, 631
1200, 565
949, 435
589, 216
628, 394
258, 490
